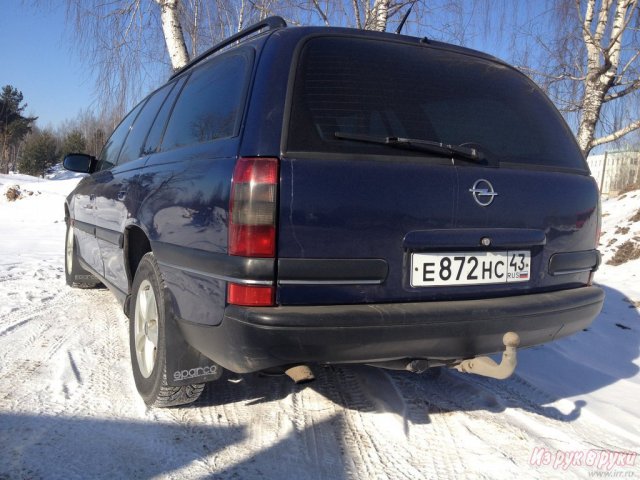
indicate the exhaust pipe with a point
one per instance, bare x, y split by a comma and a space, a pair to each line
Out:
300, 374
487, 367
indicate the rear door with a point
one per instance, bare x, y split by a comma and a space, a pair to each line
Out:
93, 191
106, 186
120, 192
364, 221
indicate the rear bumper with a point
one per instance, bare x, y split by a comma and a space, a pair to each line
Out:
252, 339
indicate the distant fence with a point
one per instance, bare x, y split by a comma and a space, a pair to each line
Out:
615, 170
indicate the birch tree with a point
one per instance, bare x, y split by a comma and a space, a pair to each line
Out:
372, 16
132, 46
173, 36
585, 54
609, 75
363, 14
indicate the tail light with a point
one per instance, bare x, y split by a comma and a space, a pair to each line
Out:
252, 222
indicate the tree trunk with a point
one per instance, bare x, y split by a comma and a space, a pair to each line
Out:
377, 17
173, 36
594, 92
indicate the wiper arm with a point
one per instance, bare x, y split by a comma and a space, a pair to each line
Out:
417, 144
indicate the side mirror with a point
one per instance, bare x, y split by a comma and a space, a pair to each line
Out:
79, 162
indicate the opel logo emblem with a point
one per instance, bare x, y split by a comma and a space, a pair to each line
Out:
483, 192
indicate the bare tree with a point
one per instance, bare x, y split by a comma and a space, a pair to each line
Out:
92, 128
131, 46
611, 74
584, 53
122, 43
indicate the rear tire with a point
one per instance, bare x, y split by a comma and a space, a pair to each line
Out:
149, 313
75, 275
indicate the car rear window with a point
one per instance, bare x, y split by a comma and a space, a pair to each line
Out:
391, 89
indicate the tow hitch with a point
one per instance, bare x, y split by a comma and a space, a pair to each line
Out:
487, 367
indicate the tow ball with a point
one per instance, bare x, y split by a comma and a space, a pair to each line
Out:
487, 367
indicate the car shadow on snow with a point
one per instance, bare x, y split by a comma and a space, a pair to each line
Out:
72, 447
547, 381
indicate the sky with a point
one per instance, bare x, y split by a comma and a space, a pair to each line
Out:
37, 59
40, 60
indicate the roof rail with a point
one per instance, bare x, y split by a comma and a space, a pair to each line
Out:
269, 23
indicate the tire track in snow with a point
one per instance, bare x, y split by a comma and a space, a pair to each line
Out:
454, 413
265, 417
505, 422
313, 416
393, 422
9, 322
529, 400
43, 348
102, 354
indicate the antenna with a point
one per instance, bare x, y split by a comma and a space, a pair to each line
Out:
404, 19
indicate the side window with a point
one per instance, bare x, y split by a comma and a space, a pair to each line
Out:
211, 103
132, 147
111, 149
157, 129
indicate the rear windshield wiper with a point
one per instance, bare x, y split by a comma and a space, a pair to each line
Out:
419, 145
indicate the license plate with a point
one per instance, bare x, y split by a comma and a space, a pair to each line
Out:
469, 268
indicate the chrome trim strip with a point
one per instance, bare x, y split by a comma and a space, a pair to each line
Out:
330, 282
570, 272
224, 278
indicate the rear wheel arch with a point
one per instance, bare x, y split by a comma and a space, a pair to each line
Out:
136, 245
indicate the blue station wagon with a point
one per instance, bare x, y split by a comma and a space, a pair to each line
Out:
312, 195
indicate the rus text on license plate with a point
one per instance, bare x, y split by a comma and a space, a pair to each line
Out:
469, 268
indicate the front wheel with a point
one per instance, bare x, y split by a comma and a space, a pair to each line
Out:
147, 340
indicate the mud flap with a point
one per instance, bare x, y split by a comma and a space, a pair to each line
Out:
185, 364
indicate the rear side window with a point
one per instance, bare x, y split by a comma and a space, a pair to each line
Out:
132, 147
111, 149
211, 103
386, 89
152, 142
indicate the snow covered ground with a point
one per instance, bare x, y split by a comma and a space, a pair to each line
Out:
68, 406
